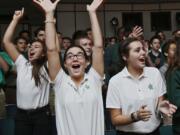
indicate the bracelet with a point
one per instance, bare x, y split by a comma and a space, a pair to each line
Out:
50, 21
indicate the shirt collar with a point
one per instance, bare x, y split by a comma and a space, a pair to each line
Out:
72, 84
128, 75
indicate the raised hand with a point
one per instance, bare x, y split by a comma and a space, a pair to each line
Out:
167, 108
18, 14
94, 5
136, 32
47, 5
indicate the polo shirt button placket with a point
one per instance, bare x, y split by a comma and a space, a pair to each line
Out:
140, 92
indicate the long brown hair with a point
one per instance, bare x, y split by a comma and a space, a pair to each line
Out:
176, 64
37, 64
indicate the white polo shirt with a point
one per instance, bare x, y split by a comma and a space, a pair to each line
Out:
129, 94
28, 95
79, 111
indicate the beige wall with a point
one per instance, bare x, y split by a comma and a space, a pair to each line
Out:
71, 17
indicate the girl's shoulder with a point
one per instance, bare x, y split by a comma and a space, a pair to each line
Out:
151, 70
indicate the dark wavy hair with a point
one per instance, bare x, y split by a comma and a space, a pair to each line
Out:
124, 49
18, 38
73, 46
176, 64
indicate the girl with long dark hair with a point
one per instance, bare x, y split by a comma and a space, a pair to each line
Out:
173, 88
33, 114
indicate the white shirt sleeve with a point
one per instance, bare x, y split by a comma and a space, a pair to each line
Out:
113, 97
20, 62
59, 77
160, 85
92, 72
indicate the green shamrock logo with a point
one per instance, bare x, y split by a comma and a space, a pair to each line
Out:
150, 86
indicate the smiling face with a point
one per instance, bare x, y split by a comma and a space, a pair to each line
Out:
136, 56
35, 51
75, 62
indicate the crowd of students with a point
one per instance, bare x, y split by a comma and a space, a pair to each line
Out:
138, 79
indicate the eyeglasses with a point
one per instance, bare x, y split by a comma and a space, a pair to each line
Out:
71, 56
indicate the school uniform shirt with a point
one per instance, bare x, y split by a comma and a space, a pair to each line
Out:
129, 94
154, 58
29, 96
79, 111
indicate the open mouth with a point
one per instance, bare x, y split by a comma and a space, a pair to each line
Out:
76, 66
142, 59
31, 54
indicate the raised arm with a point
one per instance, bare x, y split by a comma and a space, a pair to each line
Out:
52, 51
97, 56
137, 31
7, 40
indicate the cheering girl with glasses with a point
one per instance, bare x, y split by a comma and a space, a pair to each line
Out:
79, 106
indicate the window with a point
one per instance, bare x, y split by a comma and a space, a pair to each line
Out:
130, 20
160, 21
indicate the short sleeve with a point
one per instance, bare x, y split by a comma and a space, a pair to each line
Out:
92, 72
160, 85
113, 97
59, 77
20, 62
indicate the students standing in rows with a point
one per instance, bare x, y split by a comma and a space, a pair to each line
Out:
79, 106
33, 114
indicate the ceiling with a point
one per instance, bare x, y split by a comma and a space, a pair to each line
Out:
10, 3
14, 4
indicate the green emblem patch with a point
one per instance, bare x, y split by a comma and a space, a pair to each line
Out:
150, 86
87, 86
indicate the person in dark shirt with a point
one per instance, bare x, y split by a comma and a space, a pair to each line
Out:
173, 88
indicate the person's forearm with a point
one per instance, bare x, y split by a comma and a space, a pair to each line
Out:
121, 120
97, 57
96, 31
50, 31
